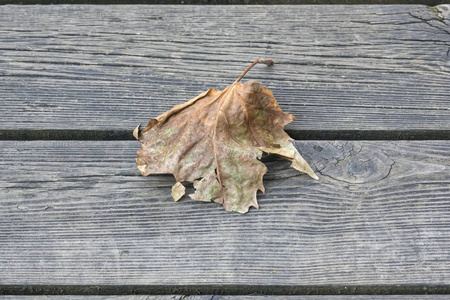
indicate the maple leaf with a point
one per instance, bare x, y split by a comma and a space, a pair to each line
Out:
215, 141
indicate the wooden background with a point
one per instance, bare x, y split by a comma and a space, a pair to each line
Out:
76, 217
226, 2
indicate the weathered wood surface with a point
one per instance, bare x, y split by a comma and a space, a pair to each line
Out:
149, 297
112, 67
78, 213
347, 297
227, 2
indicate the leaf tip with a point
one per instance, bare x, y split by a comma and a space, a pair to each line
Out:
136, 132
178, 191
142, 166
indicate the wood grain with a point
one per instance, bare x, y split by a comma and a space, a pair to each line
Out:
135, 297
79, 213
223, 2
333, 297
112, 67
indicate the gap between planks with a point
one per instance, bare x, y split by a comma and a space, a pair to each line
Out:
226, 292
303, 135
230, 297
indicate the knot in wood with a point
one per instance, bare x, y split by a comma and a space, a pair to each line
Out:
350, 162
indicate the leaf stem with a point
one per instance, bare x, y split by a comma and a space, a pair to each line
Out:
268, 62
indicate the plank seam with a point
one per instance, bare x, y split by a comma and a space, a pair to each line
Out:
224, 290
314, 135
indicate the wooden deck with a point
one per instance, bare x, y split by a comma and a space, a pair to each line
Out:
370, 89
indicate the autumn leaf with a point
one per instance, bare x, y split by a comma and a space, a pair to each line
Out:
215, 141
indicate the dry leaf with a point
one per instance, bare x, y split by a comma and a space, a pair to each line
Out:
178, 191
216, 140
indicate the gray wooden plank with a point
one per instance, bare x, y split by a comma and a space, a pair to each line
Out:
112, 67
78, 213
131, 297
221, 2
335, 297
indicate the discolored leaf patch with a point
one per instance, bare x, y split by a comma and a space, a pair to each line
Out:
215, 141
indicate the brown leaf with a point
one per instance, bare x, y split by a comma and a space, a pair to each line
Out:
216, 139
178, 191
